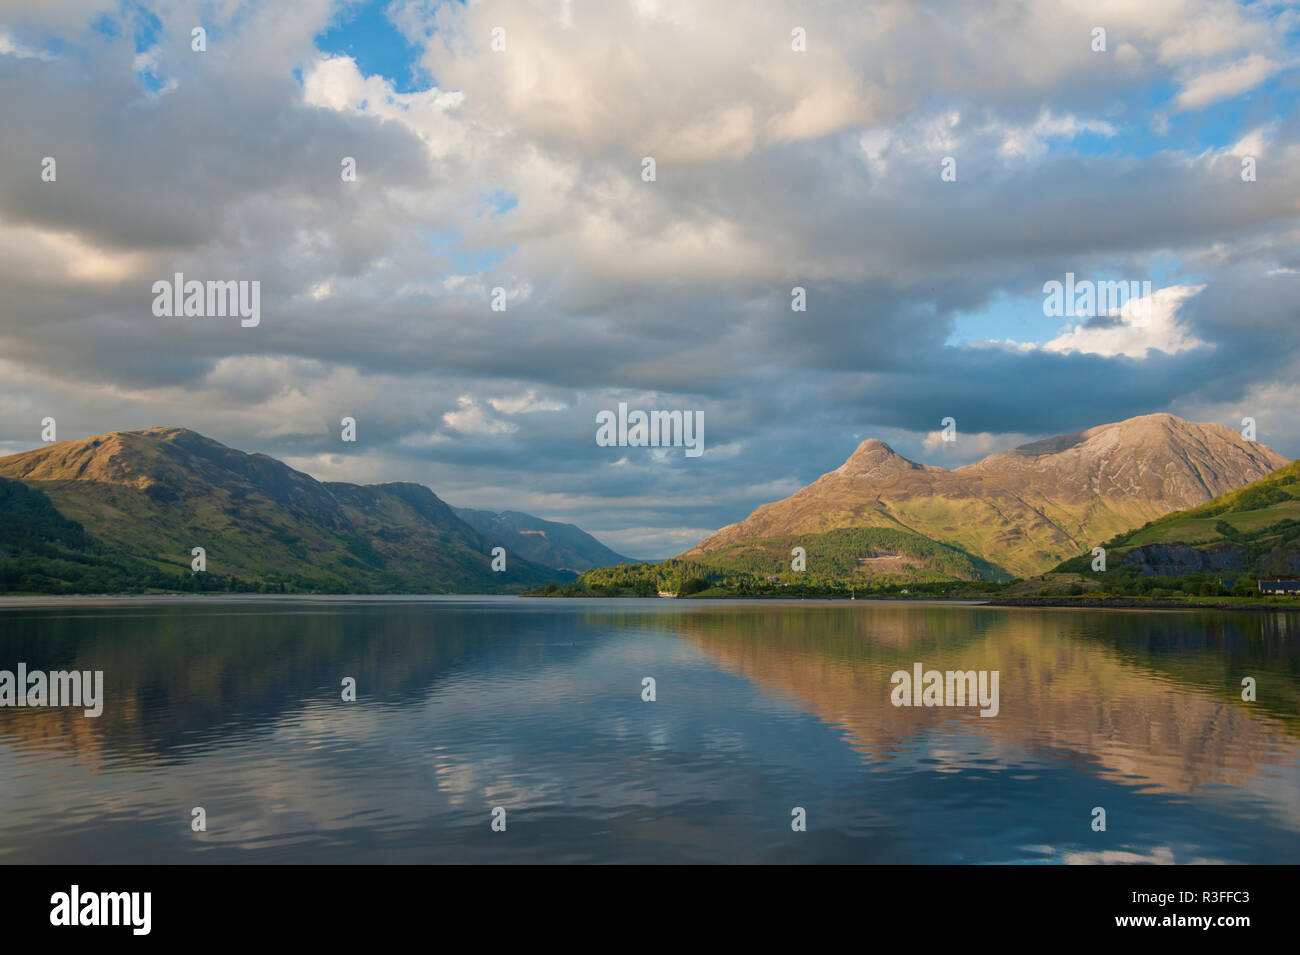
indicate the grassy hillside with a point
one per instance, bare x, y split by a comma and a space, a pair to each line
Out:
862, 560
1258, 507
41, 551
880, 554
1240, 536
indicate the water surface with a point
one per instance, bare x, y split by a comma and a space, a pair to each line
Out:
535, 706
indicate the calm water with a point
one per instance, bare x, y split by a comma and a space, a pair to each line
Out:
535, 706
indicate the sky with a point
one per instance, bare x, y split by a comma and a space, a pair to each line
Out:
922, 170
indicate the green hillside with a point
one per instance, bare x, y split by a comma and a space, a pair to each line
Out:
883, 554
41, 551
1240, 536
866, 560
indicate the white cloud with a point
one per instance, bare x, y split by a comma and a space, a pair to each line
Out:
1029, 141
336, 83
469, 418
1253, 143
973, 445
1225, 82
1144, 325
525, 403
945, 133
10, 46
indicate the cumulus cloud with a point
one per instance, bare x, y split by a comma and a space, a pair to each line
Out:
1143, 324
470, 418
521, 170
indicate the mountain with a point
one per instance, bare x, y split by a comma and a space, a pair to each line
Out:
549, 543
149, 497
1253, 531
1017, 512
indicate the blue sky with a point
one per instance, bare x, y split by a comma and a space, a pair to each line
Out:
364, 32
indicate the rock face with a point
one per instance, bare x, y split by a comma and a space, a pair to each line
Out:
1177, 560
1026, 509
153, 495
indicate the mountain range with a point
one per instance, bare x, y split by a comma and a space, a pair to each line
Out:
125, 510
1013, 513
550, 543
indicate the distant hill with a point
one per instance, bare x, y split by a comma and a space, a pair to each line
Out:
1252, 531
1017, 512
549, 543
146, 498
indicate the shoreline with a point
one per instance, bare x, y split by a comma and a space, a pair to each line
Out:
1082, 602
1072, 601
1135, 603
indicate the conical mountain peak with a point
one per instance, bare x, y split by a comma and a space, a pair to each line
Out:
874, 458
